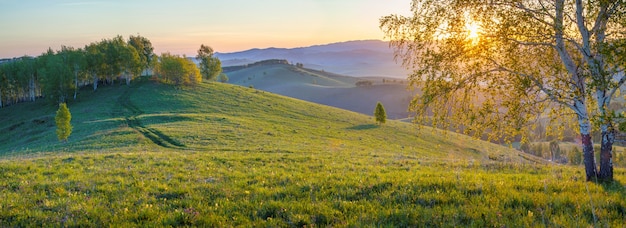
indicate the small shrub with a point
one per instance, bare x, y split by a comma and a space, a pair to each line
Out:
575, 156
223, 78
364, 83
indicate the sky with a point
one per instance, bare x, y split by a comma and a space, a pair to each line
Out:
30, 27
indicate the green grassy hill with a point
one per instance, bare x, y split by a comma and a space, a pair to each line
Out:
223, 155
327, 88
222, 117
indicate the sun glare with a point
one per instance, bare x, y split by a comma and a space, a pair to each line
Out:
473, 31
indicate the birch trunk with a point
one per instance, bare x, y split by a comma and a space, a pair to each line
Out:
128, 76
606, 157
588, 154
75, 82
95, 82
584, 123
31, 88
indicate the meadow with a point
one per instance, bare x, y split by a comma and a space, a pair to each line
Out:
220, 155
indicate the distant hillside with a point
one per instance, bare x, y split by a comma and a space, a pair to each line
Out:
325, 88
354, 58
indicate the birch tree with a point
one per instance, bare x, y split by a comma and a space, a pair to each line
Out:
493, 67
57, 77
95, 62
74, 60
144, 49
210, 66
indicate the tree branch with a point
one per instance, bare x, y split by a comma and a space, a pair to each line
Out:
533, 13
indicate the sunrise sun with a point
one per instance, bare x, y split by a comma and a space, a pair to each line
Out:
473, 31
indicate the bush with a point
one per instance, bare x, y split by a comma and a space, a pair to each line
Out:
222, 78
555, 150
364, 83
525, 147
178, 70
575, 156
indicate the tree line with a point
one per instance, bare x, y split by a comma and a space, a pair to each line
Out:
57, 75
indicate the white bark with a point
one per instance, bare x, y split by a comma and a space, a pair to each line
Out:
583, 117
75, 81
128, 76
95, 82
31, 87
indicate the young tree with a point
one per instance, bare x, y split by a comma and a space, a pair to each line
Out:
380, 114
62, 119
223, 78
210, 66
493, 66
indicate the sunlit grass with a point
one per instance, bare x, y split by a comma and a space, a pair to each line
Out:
296, 189
234, 156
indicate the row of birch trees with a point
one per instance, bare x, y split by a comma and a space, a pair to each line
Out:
57, 75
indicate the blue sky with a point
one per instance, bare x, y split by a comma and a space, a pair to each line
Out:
29, 27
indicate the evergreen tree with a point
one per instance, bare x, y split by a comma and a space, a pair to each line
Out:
62, 119
380, 114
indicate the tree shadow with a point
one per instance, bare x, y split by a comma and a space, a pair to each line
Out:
613, 187
363, 127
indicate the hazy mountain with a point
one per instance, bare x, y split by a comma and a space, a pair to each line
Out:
353, 58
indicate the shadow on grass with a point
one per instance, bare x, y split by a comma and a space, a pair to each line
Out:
613, 187
363, 127
133, 121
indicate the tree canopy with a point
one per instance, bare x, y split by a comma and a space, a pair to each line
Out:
495, 67
210, 66
144, 49
177, 70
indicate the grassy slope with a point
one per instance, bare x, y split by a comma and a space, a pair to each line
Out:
236, 156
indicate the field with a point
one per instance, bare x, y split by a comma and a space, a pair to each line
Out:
221, 155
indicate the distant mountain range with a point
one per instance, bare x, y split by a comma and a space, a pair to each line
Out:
365, 58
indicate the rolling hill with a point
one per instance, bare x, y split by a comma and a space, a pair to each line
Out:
214, 116
221, 155
365, 58
326, 88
